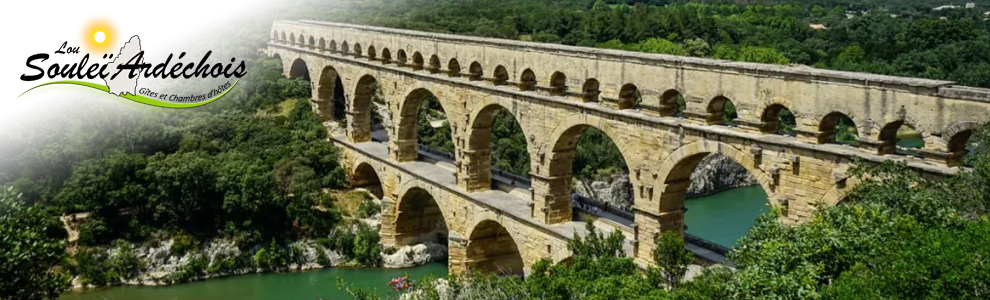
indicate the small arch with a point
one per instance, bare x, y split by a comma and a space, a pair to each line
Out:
777, 119
475, 72
721, 111
434, 66
491, 249
453, 68
838, 128
558, 84
386, 56
322, 44
629, 96
672, 104
274, 35
344, 48
591, 90
357, 50
292, 38
899, 135
372, 55
302, 39
283, 37
299, 69
527, 82
401, 57
312, 42
333, 46
959, 147
417, 61
501, 76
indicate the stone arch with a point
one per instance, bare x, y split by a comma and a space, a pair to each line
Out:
774, 120
591, 90
372, 55
501, 76
453, 68
333, 46
322, 44
359, 129
406, 135
419, 216
888, 136
344, 48
365, 176
312, 42
475, 72
558, 84
675, 177
386, 56
302, 39
330, 102
417, 61
299, 69
629, 96
719, 111
274, 35
492, 248
561, 150
358, 50
478, 173
959, 132
283, 37
527, 81
434, 66
292, 38
400, 57
671, 103
828, 128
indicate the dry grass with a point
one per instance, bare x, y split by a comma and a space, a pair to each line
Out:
349, 201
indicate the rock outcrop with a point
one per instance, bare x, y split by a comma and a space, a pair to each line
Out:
714, 173
416, 255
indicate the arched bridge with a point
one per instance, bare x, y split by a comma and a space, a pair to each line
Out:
555, 92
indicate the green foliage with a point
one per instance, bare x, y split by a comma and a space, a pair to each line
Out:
508, 145
31, 246
438, 138
597, 156
102, 267
671, 260
368, 208
367, 246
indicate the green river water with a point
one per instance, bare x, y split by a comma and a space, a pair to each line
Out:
721, 218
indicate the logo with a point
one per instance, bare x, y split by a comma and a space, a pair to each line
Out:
121, 75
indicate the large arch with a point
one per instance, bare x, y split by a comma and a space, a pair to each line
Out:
330, 95
365, 176
406, 134
675, 177
562, 151
491, 248
299, 69
362, 116
477, 174
419, 218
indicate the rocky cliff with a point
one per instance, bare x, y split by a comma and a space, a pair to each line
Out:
713, 174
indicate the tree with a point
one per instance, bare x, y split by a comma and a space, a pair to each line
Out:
32, 246
671, 260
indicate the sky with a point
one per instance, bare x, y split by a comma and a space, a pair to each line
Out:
42, 26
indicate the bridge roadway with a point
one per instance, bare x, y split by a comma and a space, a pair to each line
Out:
557, 92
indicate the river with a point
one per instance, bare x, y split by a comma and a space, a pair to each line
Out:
306, 285
721, 218
726, 216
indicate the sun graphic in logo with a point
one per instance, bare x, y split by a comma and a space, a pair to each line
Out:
99, 38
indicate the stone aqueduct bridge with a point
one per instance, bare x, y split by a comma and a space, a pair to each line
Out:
555, 92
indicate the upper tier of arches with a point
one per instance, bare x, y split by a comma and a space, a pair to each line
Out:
811, 124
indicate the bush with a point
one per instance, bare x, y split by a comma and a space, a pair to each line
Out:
671, 260
368, 208
181, 244
367, 246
